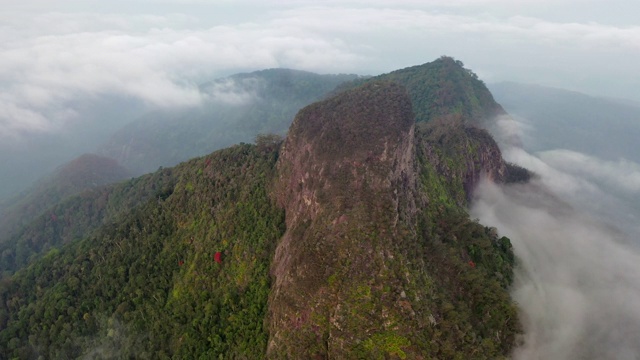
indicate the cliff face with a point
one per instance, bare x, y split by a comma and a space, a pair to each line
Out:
345, 168
369, 202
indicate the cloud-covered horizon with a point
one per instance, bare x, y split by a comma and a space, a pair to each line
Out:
51, 59
575, 230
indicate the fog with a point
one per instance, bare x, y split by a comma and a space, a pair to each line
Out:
60, 60
575, 231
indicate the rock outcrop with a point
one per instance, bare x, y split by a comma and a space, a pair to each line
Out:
345, 168
360, 271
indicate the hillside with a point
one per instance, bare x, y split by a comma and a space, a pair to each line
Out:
350, 240
86, 172
148, 286
236, 109
73, 218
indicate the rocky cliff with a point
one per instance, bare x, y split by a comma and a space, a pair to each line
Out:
352, 278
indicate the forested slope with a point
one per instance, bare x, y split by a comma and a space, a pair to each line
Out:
351, 240
149, 286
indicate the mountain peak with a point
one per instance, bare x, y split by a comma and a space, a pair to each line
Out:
340, 171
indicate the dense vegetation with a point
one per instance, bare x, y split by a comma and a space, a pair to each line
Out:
442, 88
349, 241
148, 286
88, 171
75, 217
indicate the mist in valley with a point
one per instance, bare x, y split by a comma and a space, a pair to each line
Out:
575, 231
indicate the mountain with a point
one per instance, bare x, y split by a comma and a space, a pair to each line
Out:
371, 228
349, 239
562, 119
147, 284
235, 109
443, 88
72, 218
89, 171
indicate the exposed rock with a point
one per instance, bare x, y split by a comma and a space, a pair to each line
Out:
345, 168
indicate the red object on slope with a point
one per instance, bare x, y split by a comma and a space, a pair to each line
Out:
218, 257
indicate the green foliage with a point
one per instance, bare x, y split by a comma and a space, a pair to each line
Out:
77, 216
381, 345
442, 88
147, 286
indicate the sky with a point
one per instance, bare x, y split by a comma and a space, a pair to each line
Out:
57, 54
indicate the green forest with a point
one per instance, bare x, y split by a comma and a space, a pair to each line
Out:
179, 263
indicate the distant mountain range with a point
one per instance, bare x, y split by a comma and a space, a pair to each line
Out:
237, 109
562, 119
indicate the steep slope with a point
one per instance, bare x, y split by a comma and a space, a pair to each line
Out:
88, 171
74, 217
235, 110
149, 286
377, 252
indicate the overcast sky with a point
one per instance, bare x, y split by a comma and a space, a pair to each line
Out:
56, 52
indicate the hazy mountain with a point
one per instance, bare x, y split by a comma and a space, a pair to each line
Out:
350, 239
578, 249
236, 109
88, 171
590, 138
32, 155
562, 119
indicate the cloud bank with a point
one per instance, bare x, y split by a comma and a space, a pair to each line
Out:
50, 60
576, 234
578, 283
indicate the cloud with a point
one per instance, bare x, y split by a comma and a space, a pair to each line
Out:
608, 190
160, 66
577, 282
233, 91
575, 230
49, 60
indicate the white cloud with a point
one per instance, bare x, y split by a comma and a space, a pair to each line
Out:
576, 232
622, 175
160, 66
50, 59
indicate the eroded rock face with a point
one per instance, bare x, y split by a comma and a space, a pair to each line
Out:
347, 170
375, 259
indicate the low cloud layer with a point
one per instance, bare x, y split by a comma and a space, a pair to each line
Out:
575, 229
577, 283
50, 60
